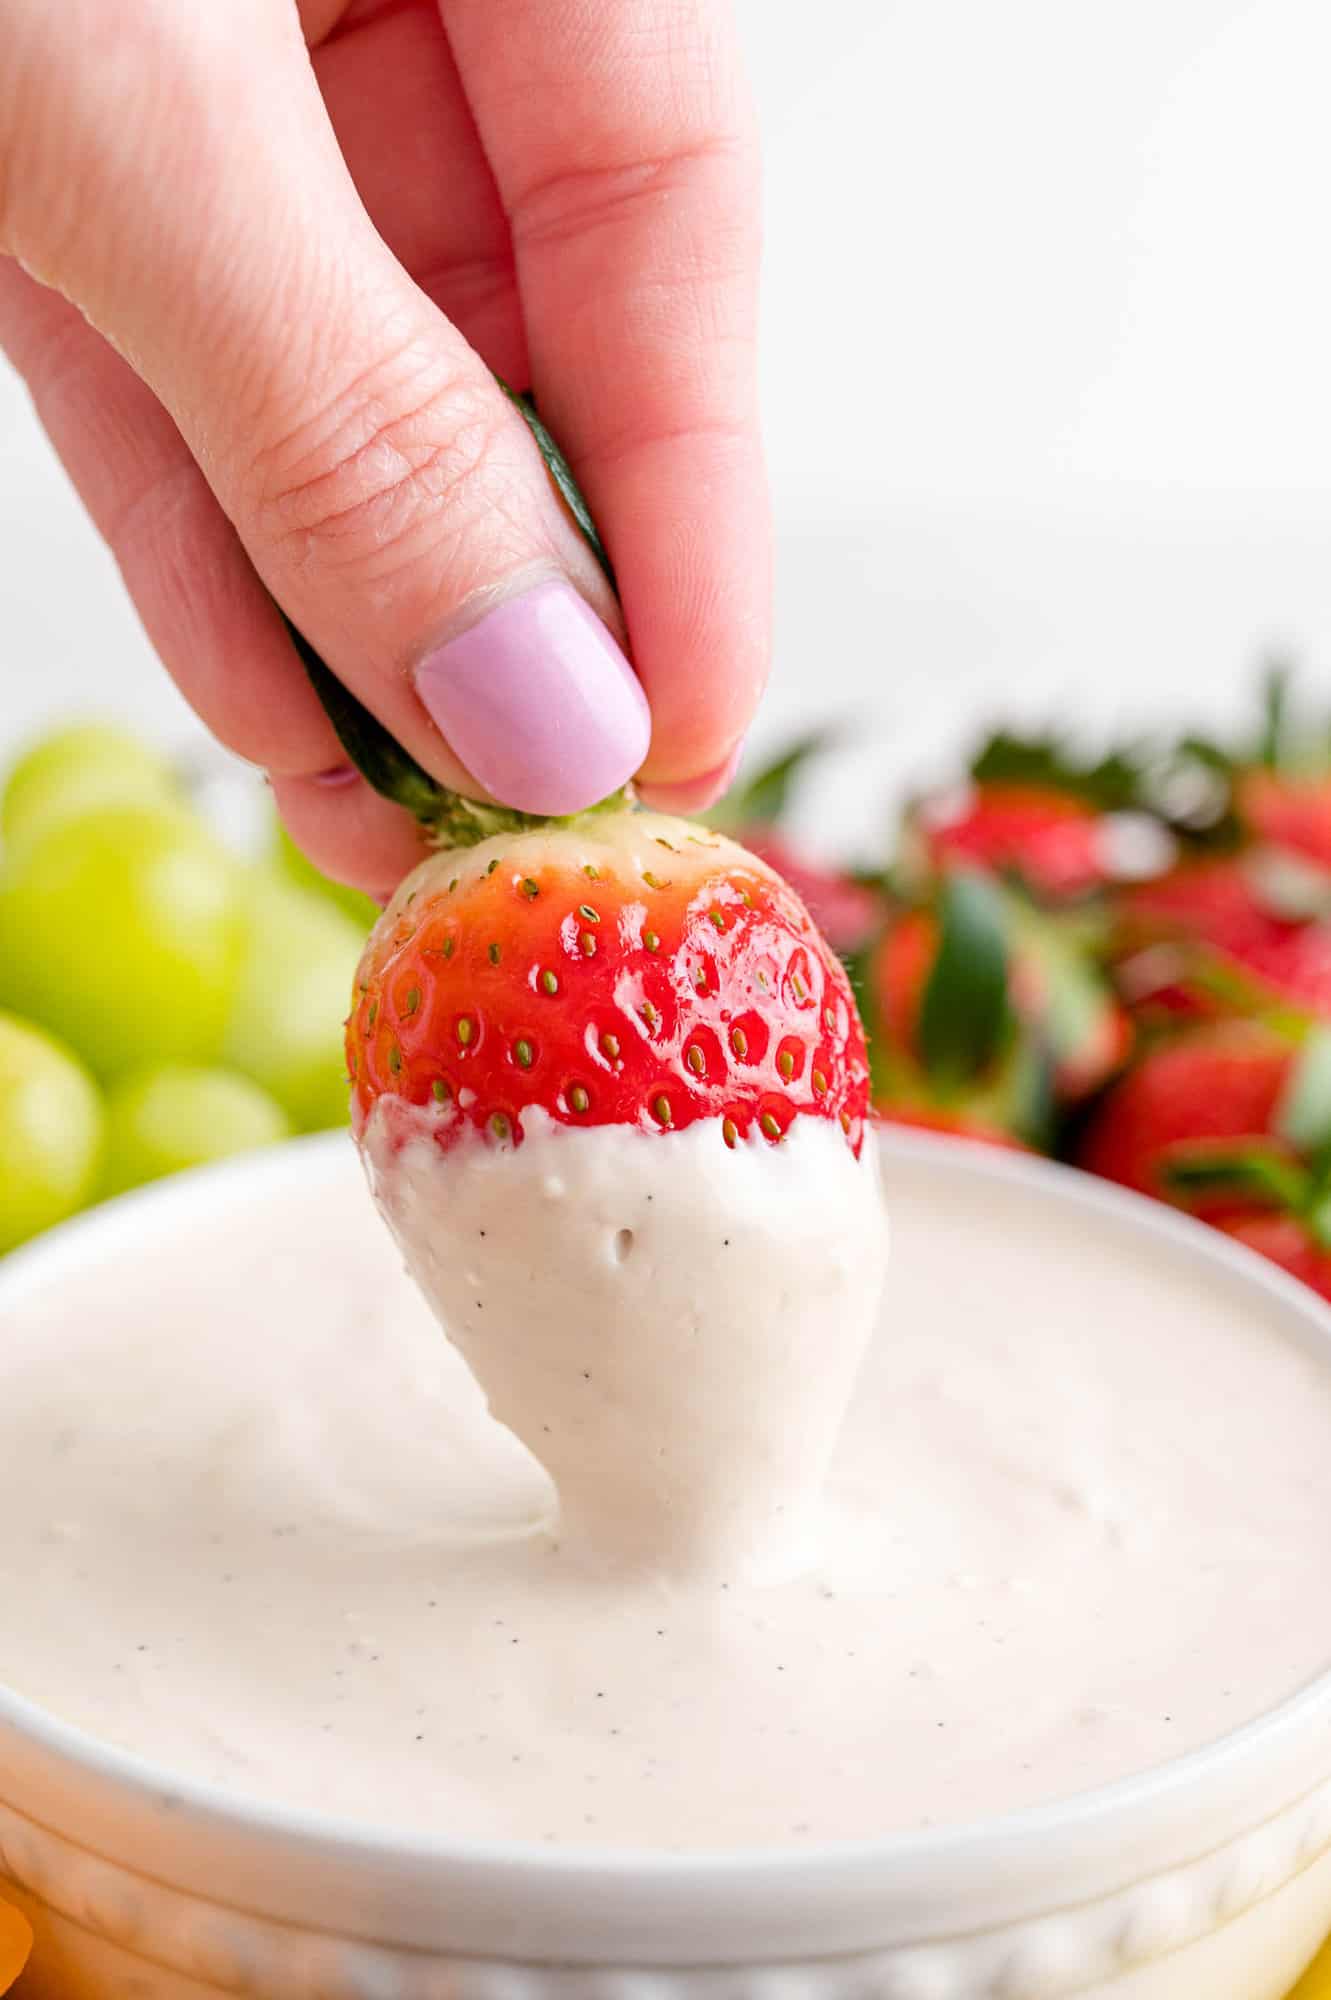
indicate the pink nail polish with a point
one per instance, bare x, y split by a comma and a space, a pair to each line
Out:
539, 703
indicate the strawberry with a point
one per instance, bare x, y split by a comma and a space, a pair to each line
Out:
1053, 841
1288, 1241
846, 907
1287, 810
846, 910
1281, 782
1232, 945
1214, 900
1268, 1186
989, 1012
1037, 810
622, 969
1203, 1091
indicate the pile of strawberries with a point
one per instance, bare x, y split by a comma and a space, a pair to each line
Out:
1123, 963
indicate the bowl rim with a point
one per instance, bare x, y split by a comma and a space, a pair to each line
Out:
1190, 1803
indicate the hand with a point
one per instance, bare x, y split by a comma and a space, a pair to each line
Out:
260, 261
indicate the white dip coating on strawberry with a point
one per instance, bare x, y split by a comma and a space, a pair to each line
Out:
673, 1329
611, 1086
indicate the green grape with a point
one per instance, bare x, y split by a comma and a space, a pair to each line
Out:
50, 1131
88, 764
159, 1121
122, 930
301, 871
286, 1026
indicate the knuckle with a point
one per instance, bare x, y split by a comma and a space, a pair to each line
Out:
720, 170
373, 475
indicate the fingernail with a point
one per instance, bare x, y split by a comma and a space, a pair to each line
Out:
336, 776
696, 794
539, 702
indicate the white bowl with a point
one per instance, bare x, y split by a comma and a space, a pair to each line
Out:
1205, 1879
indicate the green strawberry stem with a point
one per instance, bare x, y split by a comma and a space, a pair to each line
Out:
1275, 714
452, 821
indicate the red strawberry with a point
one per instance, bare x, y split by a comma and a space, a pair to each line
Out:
1213, 900
1253, 953
624, 969
1288, 1241
1054, 841
898, 973
1208, 1089
846, 911
1287, 811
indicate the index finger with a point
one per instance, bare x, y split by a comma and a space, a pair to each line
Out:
623, 146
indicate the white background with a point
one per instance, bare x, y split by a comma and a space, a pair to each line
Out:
1048, 333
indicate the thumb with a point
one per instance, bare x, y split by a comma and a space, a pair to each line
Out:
384, 488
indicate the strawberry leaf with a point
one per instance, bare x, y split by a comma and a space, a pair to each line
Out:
561, 474
1076, 1009
1275, 714
1317, 1217
377, 755
1112, 782
1256, 1174
762, 799
1303, 1115
964, 1012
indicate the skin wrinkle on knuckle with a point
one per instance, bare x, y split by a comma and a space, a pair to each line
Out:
366, 479
571, 203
